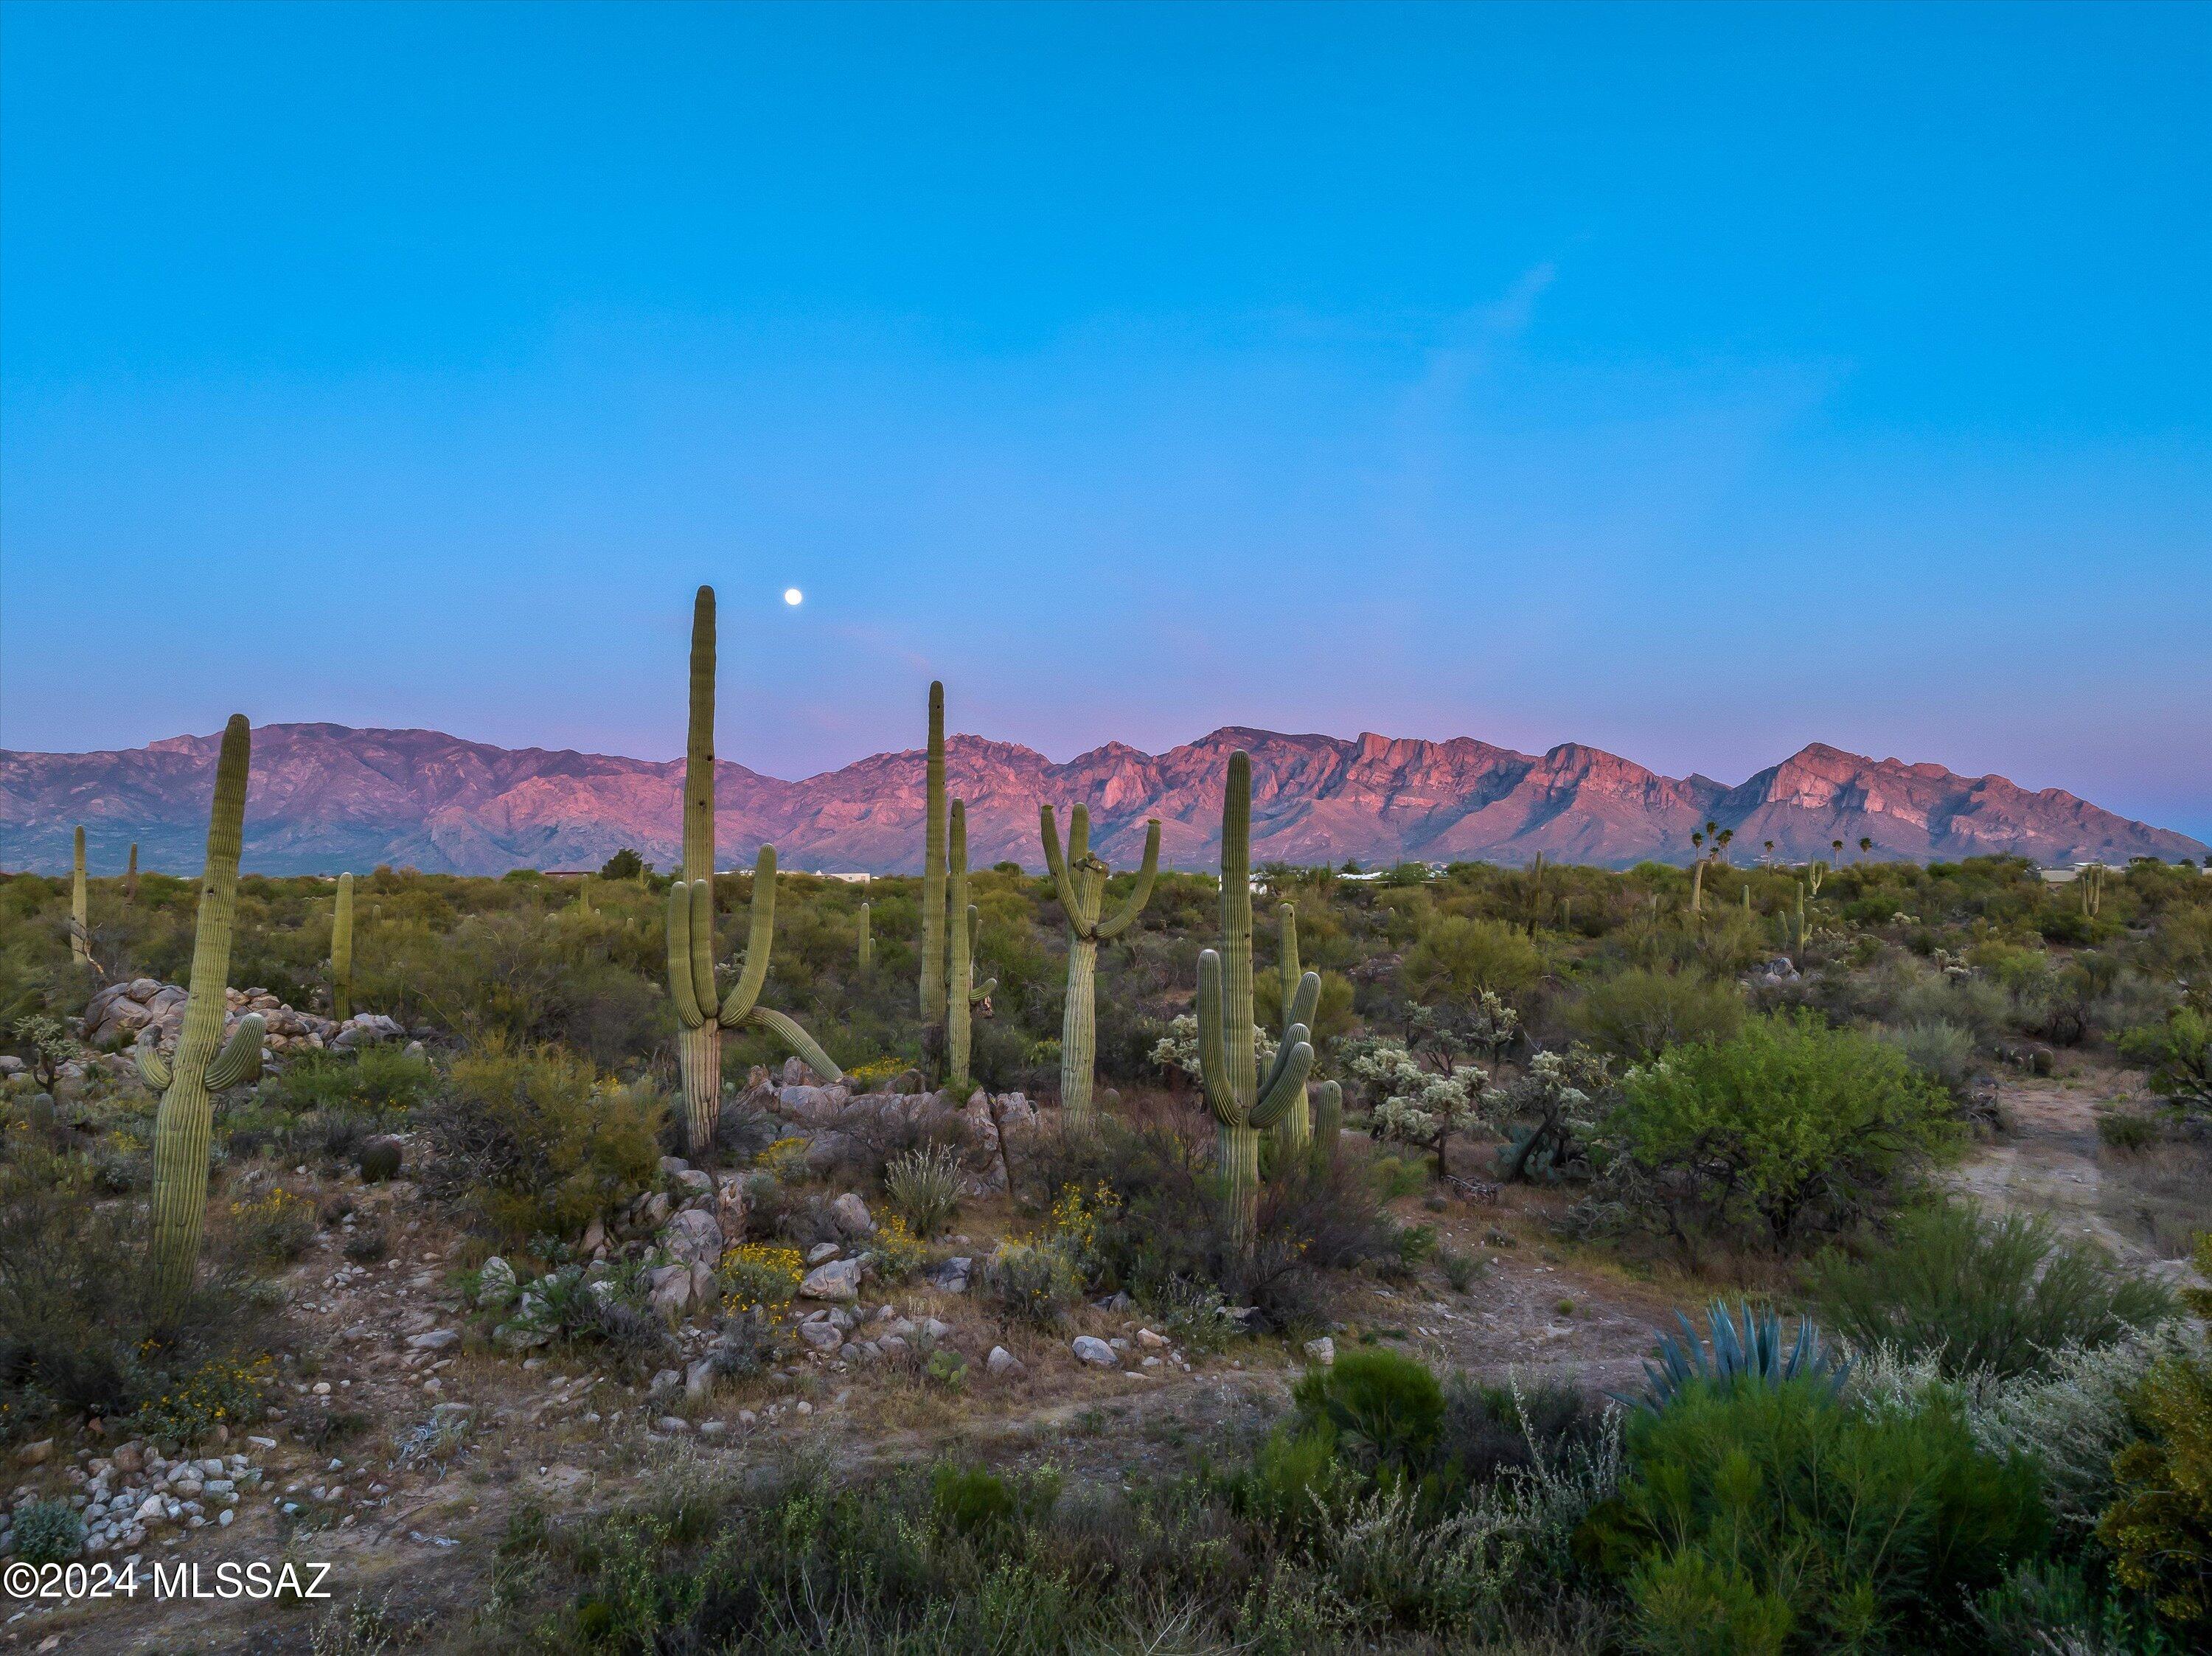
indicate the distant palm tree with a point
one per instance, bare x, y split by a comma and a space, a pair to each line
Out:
1837, 846
1865, 845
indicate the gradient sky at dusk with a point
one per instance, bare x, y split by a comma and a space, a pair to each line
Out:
1693, 382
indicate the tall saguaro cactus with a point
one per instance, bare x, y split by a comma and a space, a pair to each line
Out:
342, 951
867, 940
1081, 878
188, 1082
80, 916
965, 927
701, 1016
131, 875
932, 866
1245, 1104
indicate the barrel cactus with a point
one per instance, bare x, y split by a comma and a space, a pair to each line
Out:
1245, 1103
1081, 878
380, 1161
703, 1016
205, 1063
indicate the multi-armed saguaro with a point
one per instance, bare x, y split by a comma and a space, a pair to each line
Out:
932, 866
691, 923
1081, 877
188, 1081
80, 928
965, 926
1245, 1104
1294, 1131
342, 951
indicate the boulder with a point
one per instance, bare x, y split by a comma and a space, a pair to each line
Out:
852, 1216
840, 1279
1004, 1362
824, 1336
1322, 1351
694, 1234
1089, 1348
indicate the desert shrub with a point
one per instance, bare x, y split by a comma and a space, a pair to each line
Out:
376, 1080
894, 1253
757, 1277
1638, 1014
2052, 1605
1788, 1130
1983, 1294
537, 1144
924, 1187
2124, 1132
2159, 1527
746, 1344
48, 1533
1941, 1051
368, 1244
1383, 1408
1773, 1518
1489, 1431
2178, 1055
271, 1229
1457, 958
1036, 1283
228, 1391
82, 1331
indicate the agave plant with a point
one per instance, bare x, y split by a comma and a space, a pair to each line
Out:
1751, 1351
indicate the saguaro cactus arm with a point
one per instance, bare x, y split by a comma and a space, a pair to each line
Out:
788, 1031
1141, 893
981, 992
1213, 1044
760, 940
1063, 881
239, 1060
679, 956
1286, 1078
153, 1069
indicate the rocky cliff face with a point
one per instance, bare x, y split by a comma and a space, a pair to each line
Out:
325, 797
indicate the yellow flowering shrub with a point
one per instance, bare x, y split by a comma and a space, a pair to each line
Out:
223, 1391
757, 1277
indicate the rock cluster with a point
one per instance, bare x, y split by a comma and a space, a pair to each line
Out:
832, 1118
115, 1017
134, 1494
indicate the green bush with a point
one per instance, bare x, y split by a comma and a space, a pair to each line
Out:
1941, 1051
2178, 1055
1757, 1519
1385, 1409
1639, 1013
1033, 1282
1457, 958
1979, 1293
2160, 1528
924, 1188
540, 1145
48, 1533
1789, 1129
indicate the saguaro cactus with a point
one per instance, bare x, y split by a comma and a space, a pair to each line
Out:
1245, 1104
1081, 878
867, 940
80, 928
701, 1016
342, 951
131, 875
188, 1082
932, 866
1294, 1133
965, 926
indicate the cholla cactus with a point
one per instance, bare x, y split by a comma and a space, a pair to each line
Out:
1245, 1102
1081, 877
702, 1015
1492, 1026
188, 1082
1177, 1049
1557, 1105
1412, 1104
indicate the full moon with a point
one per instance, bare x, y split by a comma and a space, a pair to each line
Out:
793, 596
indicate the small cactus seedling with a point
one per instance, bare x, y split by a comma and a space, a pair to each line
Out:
1081, 878
188, 1082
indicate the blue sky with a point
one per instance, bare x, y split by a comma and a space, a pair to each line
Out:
1693, 382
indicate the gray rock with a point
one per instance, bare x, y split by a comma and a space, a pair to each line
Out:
852, 1216
496, 1285
840, 1279
951, 1277
1089, 1348
823, 1251
699, 1379
693, 1234
1321, 1350
436, 1340
820, 1337
1004, 1363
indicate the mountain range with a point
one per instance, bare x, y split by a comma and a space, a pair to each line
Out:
325, 797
